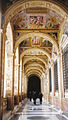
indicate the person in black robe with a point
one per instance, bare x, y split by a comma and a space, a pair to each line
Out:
40, 97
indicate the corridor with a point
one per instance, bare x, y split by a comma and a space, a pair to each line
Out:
33, 59
44, 111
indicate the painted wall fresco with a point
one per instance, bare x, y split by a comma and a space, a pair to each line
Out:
35, 41
20, 21
49, 20
46, 43
25, 43
36, 21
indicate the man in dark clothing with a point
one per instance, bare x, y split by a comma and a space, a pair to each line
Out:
40, 97
34, 97
30, 95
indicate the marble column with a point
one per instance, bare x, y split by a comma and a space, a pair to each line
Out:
10, 82
18, 71
13, 80
22, 81
60, 78
52, 78
1, 82
1, 58
48, 85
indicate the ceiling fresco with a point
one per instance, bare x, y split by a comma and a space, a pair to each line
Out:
46, 43
35, 42
25, 43
49, 20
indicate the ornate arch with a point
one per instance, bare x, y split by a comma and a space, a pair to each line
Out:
35, 58
39, 34
34, 73
35, 64
34, 68
21, 5
36, 49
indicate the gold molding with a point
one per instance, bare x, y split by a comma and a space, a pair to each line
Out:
41, 30
36, 47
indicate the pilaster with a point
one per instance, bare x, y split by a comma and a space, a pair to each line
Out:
10, 98
48, 85
52, 78
1, 65
60, 77
18, 72
22, 79
13, 79
1, 80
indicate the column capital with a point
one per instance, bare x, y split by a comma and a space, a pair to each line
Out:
59, 53
52, 62
47, 69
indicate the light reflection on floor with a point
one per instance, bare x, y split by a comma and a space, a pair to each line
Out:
37, 112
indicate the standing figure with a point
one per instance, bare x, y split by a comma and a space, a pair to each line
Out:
34, 97
40, 97
30, 95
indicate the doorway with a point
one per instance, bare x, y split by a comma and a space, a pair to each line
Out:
33, 84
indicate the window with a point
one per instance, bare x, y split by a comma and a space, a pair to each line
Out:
65, 68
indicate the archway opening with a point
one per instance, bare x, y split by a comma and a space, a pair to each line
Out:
34, 84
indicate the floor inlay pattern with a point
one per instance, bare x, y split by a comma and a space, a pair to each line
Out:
38, 112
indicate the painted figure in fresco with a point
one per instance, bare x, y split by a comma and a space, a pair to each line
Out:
35, 41
50, 20
36, 20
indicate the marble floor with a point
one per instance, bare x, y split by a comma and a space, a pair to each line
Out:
43, 111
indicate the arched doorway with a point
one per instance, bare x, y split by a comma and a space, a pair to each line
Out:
33, 84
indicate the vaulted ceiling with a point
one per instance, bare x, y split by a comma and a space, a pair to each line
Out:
7, 3
36, 32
